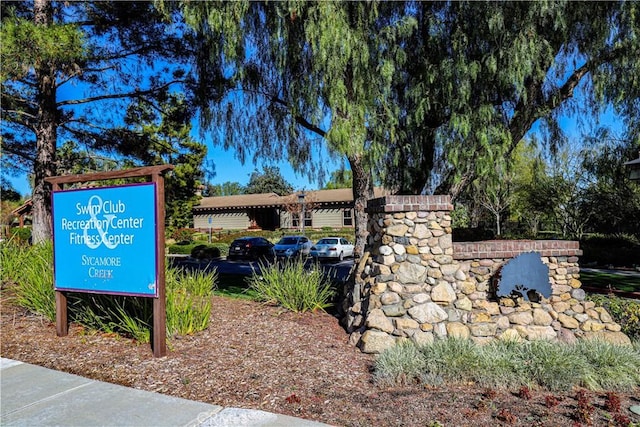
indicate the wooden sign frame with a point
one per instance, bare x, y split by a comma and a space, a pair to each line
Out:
153, 174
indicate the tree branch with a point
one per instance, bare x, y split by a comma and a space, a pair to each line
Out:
133, 94
301, 120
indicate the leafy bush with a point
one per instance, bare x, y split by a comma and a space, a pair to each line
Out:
201, 251
207, 251
183, 235
290, 285
181, 249
618, 250
472, 234
626, 312
593, 364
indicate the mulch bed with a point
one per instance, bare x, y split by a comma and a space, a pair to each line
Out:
262, 357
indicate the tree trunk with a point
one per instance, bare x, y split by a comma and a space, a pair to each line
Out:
46, 135
362, 191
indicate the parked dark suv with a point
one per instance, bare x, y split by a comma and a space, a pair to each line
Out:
250, 248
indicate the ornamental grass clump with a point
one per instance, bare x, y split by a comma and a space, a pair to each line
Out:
502, 363
189, 299
292, 286
402, 364
609, 366
30, 268
593, 364
28, 271
553, 366
451, 360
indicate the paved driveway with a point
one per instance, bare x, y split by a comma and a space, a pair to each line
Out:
339, 271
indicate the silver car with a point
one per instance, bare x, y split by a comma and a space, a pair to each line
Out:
290, 246
332, 248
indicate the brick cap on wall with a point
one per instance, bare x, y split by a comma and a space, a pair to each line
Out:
392, 204
513, 248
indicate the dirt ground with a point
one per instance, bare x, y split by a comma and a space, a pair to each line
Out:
261, 357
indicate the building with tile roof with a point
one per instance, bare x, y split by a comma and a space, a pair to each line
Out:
269, 211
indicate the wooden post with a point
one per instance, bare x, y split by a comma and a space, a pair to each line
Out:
62, 316
159, 332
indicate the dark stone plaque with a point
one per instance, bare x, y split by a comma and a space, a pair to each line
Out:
525, 276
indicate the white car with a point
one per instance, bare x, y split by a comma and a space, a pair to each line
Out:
332, 247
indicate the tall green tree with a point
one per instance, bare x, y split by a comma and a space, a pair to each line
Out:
316, 74
163, 136
426, 95
341, 178
530, 170
70, 69
270, 180
227, 188
611, 199
479, 75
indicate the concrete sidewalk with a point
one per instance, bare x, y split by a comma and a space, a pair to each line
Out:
35, 396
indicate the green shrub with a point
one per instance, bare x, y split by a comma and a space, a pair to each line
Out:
181, 249
183, 235
201, 251
626, 312
290, 285
208, 251
472, 234
618, 250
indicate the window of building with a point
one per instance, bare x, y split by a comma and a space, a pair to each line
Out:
347, 218
308, 219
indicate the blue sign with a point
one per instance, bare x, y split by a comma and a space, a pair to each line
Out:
104, 240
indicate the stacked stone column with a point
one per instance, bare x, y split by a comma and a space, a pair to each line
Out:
416, 285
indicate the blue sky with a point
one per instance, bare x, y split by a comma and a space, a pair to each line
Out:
228, 168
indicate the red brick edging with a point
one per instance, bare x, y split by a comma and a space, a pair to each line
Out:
512, 248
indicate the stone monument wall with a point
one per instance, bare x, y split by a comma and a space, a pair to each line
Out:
418, 285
